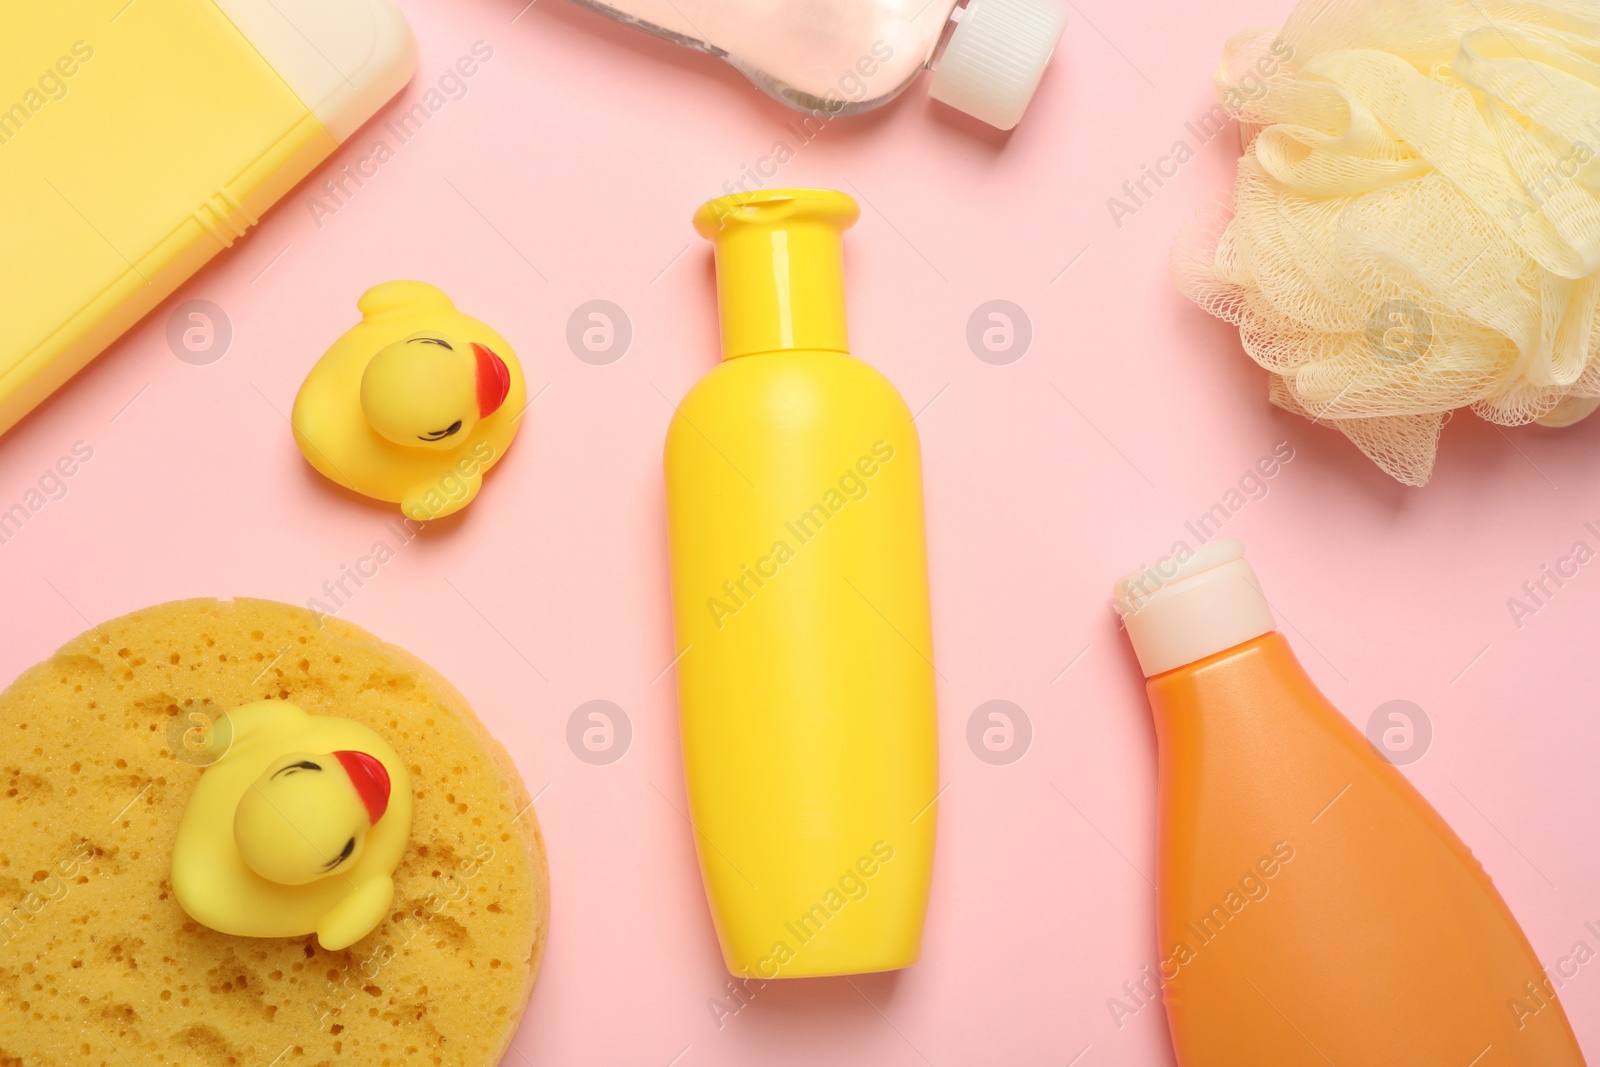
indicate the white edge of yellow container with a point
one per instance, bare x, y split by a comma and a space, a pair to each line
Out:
344, 59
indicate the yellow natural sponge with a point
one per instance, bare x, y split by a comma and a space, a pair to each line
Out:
99, 964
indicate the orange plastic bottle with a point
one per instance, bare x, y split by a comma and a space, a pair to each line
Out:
1313, 908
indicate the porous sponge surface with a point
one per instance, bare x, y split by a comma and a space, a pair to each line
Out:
98, 963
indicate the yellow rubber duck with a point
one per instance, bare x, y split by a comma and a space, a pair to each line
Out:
296, 828
413, 403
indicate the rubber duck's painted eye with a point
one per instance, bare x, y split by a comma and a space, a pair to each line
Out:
303, 765
440, 435
349, 847
433, 341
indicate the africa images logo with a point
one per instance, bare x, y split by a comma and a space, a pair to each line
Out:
50, 87
852, 485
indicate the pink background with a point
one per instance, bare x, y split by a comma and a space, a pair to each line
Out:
581, 149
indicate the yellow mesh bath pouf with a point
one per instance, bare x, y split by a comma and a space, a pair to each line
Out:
1416, 221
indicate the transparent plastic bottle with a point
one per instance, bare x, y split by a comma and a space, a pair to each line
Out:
843, 57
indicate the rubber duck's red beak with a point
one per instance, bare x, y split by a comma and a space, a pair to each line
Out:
494, 381
371, 779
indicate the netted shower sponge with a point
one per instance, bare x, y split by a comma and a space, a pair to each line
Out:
1415, 225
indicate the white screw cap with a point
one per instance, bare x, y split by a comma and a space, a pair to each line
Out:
996, 57
1188, 607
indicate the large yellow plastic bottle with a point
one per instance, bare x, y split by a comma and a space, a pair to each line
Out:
800, 589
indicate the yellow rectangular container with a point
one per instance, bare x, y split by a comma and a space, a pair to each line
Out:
138, 140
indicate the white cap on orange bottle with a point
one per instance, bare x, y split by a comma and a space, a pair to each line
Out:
1192, 605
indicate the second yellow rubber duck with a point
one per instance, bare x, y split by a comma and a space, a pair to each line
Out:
413, 403
296, 828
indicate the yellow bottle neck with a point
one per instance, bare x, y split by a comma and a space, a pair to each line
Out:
780, 268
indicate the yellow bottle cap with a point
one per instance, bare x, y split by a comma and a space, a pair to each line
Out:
780, 268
